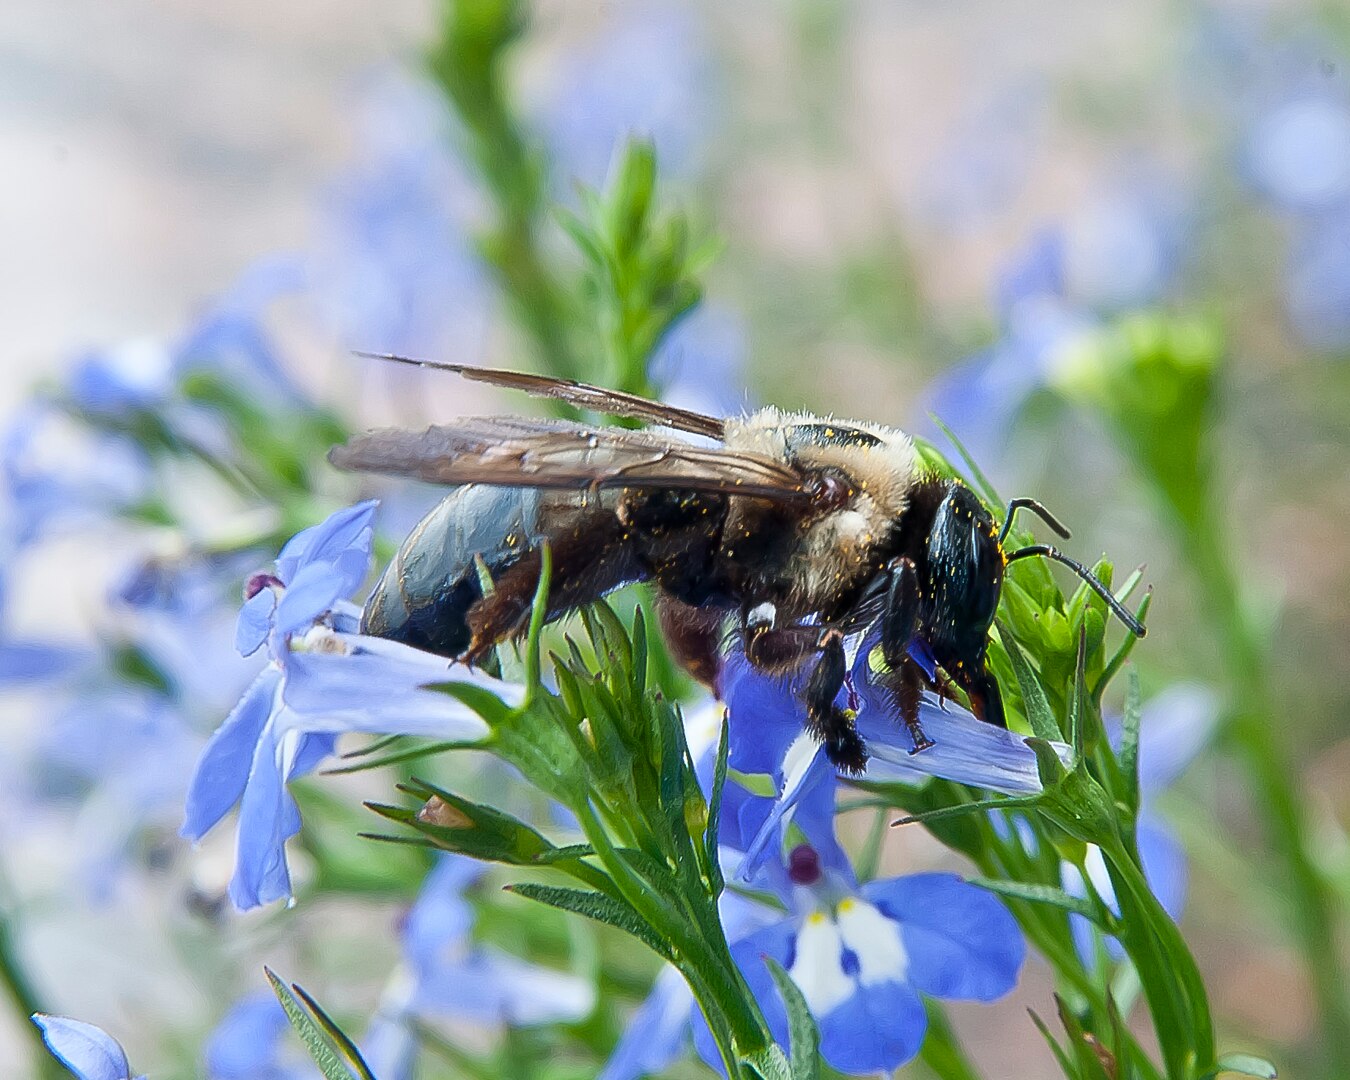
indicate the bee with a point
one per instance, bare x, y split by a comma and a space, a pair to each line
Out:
803, 529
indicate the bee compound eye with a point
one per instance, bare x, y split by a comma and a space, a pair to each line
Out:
830, 491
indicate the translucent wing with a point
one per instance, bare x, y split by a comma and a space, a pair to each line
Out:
582, 395
517, 451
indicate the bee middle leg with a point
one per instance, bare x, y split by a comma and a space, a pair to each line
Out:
900, 619
782, 649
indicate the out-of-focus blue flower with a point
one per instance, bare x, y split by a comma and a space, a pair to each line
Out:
87, 1051
1174, 727
395, 268
449, 976
321, 681
649, 75
252, 1042
984, 164
1317, 280
1298, 153
56, 472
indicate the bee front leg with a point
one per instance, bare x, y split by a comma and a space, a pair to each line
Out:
832, 725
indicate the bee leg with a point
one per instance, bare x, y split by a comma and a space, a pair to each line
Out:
693, 635
832, 725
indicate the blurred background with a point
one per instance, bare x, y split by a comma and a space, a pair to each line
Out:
922, 207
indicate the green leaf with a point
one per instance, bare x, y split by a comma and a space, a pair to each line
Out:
1037, 705
964, 809
599, 907
804, 1036
976, 474
319, 1045
1041, 894
1243, 1065
768, 1064
1060, 1056
331, 1029
719, 784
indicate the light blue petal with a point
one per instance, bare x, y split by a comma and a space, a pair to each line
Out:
494, 987
961, 941
308, 595
1174, 726
764, 716
313, 748
876, 1030
244, 1044
1164, 862
776, 941
222, 772
657, 1032
964, 749
379, 687
255, 622
439, 922
350, 528
24, 661
389, 1048
268, 817
89, 1052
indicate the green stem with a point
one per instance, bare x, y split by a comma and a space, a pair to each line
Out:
942, 1051
1263, 750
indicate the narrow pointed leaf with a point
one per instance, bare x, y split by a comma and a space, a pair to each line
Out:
1039, 714
320, 1047
1041, 894
1129, 741
344, 1043
1243, 1065
719, 783
804, 1036
599, 907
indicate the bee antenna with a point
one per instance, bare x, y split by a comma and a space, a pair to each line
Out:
1037, 509
1046, 551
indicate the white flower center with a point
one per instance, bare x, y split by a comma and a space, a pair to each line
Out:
874, 940
818, 968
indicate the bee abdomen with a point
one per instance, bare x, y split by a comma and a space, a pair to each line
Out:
426, 593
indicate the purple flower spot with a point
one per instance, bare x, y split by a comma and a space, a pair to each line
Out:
848, 961
256, 583
803, 865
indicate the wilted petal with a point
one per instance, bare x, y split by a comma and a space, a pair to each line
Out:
223, 770
656, 1033
89, 1052
960, 940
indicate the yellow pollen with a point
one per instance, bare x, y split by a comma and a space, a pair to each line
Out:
816, 917
846, 905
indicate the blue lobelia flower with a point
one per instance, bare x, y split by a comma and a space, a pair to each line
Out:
767, 738
1174, 727
252, 1042
447, 975
862, 956
323, 679
87, 1051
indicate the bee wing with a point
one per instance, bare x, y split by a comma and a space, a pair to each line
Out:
517, 451
582, 395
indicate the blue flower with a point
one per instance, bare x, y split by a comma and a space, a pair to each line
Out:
766, 738
252, 1042
322, 681
863, 956
447, 975
87, 1051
